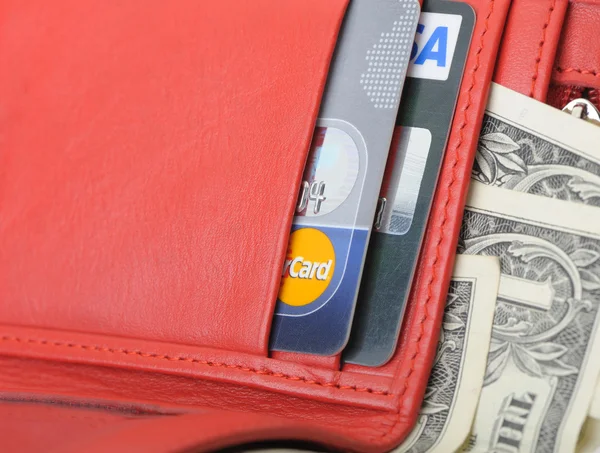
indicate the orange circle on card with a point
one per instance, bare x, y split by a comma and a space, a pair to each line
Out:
308, 267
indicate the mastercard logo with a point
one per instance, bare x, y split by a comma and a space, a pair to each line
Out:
308, 267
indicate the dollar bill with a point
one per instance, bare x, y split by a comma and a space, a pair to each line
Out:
452, 394
530, 147
545, 346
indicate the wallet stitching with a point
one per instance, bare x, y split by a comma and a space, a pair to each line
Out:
452, 181
541, 49
457, 157
579, 71
176, 358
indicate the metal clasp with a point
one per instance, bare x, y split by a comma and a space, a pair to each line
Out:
583, 109
381, 203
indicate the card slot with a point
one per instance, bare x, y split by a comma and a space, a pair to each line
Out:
208, 367
150, 178
423, 314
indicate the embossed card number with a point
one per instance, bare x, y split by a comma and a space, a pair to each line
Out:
330, 174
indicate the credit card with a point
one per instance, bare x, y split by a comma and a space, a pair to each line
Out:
342, 178
438, 59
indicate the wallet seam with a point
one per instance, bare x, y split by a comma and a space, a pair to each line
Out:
457, 158
541, 49
177, 358
579, 71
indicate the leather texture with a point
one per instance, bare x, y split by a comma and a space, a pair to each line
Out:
152, 164
29, 425
578, 59
220, 429
529, 46
26, 425
181, 183
549, 50
147, 191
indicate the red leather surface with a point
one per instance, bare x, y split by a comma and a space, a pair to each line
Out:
131, 353
152, 153
332, 362
578, 58
529, 45
202, 433
178, 392
215, 370
32, 428
548, 44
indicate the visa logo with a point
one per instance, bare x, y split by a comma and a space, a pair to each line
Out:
434, 46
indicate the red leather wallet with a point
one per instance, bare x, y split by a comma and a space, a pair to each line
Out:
150, 158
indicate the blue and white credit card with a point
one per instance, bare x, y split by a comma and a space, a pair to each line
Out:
342, 178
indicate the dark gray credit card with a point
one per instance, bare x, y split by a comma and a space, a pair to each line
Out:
422, 128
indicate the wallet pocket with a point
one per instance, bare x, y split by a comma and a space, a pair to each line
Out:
148, 192
151, 163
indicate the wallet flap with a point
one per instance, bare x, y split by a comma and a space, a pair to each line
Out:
152, 153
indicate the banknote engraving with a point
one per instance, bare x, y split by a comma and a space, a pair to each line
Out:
445, 375
516, 159
453, 389
512, 421
537, 353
